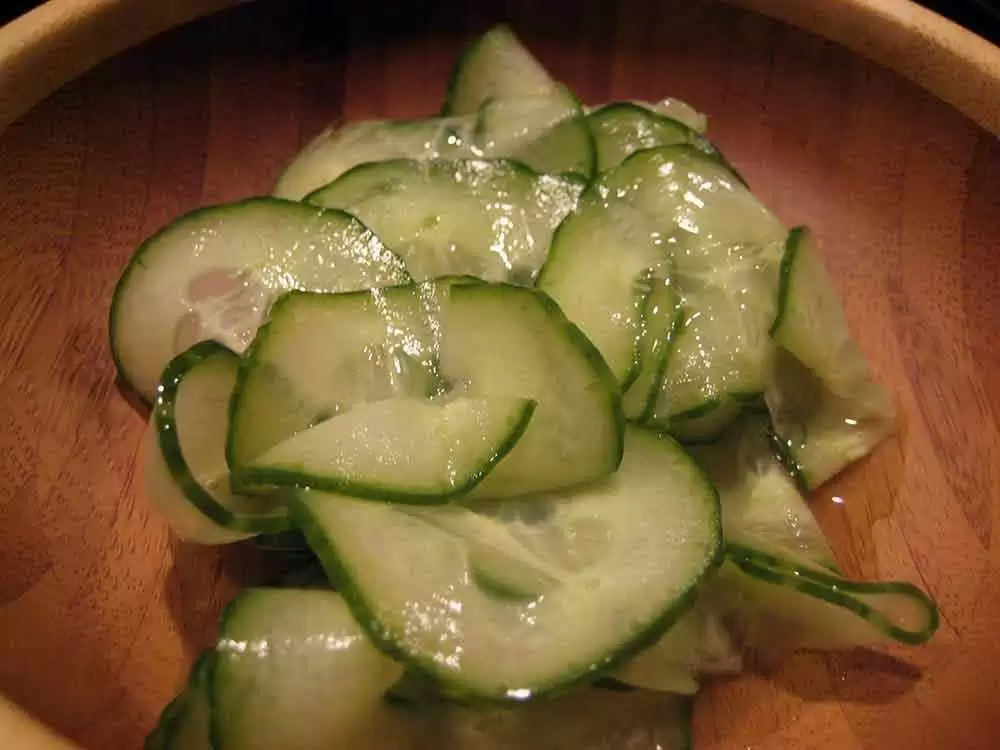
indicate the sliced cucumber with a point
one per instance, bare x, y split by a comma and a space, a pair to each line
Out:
191, 417
622, 128
674, 205
495, 66
322, 354
294, 670
826, 409
506, 341
212, 273
786, 604
337, 149
697, 644
761, 504
641, 543
681, 111
485, 218
402, 449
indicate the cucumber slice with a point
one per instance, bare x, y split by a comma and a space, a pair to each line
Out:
505, 341
548, 132
697, 644
294, 670
673, 207
600, 270
786, 604
191, 417
322, 354
212, 273
641, 543
336, 150
622, 128
761, 504
495, 66
826, 410
403, 450
490, 219
681, 111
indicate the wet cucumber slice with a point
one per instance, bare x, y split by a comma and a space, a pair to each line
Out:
295, 670
826, 410
402, 450
639, 545
185, 723
785, 604
673, 209
212, 273
492, 219
494, 67
185, 462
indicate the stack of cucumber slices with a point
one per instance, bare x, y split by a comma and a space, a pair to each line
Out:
539, 389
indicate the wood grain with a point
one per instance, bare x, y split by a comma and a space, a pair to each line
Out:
101, 611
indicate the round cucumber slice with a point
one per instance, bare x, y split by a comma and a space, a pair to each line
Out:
637, 546
212, 274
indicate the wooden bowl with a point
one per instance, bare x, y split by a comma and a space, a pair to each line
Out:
101, 611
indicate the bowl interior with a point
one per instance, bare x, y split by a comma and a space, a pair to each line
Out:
101, 611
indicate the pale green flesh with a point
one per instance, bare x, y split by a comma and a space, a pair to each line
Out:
654, 521
400, 449
320, 355
311, 681
826, 409
661, 323
495, 67
698, 644
489, 219
504, 341
761, 505
173, 505
622, 128
212, 273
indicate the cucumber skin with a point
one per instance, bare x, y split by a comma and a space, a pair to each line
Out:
168, 439
342, 580
828, 588
796, 237
290, 477
162, 736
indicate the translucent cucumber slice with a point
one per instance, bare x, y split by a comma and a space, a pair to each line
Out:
492, 219
657, 345
826, 410
211, 275
761, 504
191, 418
784, 604
641, 543
294, 670
494, 67
402, 450
338, 149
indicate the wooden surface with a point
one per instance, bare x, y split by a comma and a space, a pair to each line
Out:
101, 611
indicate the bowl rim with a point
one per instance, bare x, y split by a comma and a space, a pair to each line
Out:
59, 40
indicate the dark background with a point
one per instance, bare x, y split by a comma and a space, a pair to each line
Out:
982, 16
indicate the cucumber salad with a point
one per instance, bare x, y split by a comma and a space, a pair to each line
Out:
536, 392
